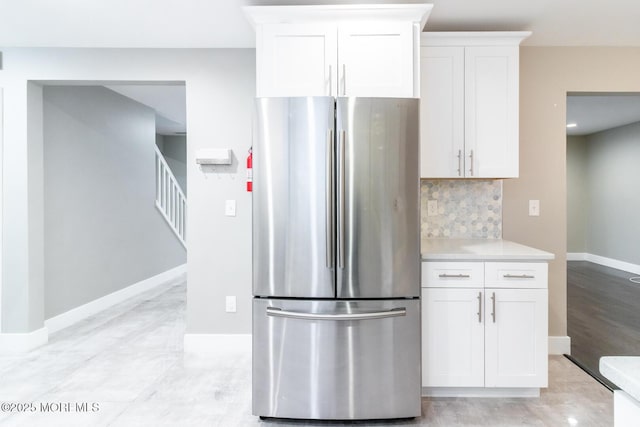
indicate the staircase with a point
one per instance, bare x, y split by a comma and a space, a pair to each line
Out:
170, 200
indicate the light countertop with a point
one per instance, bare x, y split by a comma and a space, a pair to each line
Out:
623, 371
480, 250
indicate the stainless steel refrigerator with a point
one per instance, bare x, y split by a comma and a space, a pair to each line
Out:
336, 262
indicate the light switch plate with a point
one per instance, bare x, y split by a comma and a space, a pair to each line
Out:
534, 207
230, 304
230, 208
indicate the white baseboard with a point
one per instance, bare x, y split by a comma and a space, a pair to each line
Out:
559, 345
607, 262
497, 392
77, 314
576, 256
217, 343
23, 343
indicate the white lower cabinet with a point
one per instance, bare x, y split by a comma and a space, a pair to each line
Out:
515, 338
453, 338
485, 337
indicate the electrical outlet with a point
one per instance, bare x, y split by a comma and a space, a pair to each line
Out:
230, 208
534, 207
230, 304
432, 207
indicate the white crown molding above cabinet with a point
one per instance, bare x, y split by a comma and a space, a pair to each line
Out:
473, 38
258, 15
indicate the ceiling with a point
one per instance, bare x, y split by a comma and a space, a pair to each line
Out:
168, 101
595, 113
217, 23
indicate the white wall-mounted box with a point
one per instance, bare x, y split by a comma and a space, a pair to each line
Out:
214, 156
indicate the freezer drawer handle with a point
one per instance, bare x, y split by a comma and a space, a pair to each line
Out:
518, 276
278, 312
455, 276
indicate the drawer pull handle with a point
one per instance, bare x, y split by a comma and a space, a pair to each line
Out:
479, 307
518, 276
278, 312
455, 276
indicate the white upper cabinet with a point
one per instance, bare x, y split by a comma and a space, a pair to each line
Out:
469, 104
442, 148
339, 50
297, 60
376, 59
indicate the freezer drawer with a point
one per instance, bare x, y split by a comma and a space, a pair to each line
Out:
336, 359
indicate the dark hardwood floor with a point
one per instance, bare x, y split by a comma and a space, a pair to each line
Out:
603, 314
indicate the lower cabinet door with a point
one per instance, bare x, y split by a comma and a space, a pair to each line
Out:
336, 360
516, 338
453, 337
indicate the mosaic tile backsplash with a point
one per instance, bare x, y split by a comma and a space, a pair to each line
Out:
467, 209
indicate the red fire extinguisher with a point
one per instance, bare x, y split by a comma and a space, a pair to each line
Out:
250, 170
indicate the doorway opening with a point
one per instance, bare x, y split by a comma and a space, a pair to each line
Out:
603, 229
114, 192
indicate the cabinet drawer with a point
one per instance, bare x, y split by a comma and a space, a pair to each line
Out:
515, 275
452, 274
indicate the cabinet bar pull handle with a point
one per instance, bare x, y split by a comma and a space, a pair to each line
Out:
493, 302
471, 165
459, 162
518, 276
479, 307
456, 276
344, 79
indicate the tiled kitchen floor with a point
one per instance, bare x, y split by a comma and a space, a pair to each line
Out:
129, 361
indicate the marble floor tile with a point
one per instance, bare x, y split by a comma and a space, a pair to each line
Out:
129, 361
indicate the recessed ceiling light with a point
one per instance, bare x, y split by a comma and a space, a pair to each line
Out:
572, 125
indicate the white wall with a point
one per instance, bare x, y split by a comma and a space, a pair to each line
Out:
220, 90
102, 229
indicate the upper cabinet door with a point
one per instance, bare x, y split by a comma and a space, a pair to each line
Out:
491, 111
376, 59
297, 60
442, 112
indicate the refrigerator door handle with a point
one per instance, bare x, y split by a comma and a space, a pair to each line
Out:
330, 240
341, 197
277, 312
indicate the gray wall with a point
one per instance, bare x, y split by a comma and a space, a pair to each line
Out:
174, 150
577, 184
603, 200
102, 230
613, 162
